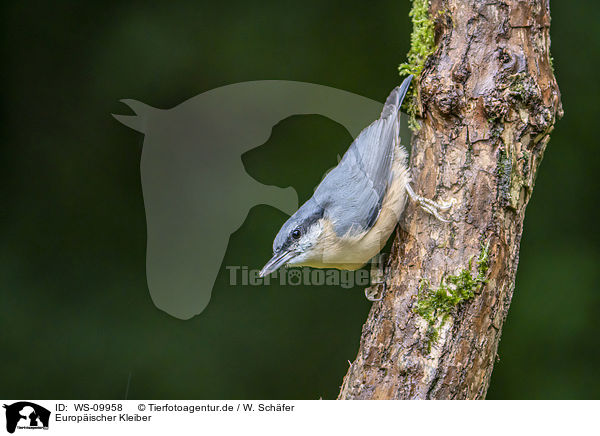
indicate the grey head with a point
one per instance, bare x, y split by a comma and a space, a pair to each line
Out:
297, 237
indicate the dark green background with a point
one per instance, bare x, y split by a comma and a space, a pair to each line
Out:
76, 319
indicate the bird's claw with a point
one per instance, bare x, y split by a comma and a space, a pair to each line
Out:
378, 279
430, 206
371, 293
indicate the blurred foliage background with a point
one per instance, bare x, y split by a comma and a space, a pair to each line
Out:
76, 318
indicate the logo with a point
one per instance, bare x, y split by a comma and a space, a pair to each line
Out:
196, 190
26, 415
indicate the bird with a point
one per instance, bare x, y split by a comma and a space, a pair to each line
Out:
357, 205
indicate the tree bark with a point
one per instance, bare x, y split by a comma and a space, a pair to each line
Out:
489, 100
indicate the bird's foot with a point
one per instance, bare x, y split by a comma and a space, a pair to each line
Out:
430, 206
378, 278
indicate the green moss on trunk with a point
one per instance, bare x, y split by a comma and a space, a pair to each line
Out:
435, 305
422, 45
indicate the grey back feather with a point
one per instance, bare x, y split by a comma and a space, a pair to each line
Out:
352, 193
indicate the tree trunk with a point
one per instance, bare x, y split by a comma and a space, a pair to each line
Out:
488, 99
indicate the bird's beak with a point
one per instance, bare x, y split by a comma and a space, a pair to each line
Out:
277, 261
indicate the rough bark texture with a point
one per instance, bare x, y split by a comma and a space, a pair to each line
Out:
489, 101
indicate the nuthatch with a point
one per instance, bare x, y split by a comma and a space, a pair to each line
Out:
357, 205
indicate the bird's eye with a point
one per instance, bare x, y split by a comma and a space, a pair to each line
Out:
296, 234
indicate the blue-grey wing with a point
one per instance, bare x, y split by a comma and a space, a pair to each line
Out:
352, 193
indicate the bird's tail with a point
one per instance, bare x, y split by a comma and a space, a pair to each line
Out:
394, 101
